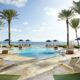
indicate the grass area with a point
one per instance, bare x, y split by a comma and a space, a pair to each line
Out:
77, 47
75, 76
9, 77
64, 46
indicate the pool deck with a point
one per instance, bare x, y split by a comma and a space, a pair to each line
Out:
32, 69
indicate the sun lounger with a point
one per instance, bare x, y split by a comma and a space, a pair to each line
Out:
77, 64
63, 69
5, 65
73, 61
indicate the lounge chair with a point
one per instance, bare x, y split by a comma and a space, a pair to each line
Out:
63, 69
5, 65
73, 61
72, 64
77, 66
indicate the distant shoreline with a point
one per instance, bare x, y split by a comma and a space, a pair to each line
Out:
24, 42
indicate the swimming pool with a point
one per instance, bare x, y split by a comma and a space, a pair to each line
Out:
38, 53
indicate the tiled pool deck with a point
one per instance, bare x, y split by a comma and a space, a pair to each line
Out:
29, 70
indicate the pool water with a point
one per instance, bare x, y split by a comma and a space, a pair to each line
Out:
38, 53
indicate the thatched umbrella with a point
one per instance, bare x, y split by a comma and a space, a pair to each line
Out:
20, 40
55, 40
48, 40
27, 40
48, 43
6, 40
55, 44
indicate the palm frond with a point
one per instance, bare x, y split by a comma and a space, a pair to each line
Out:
75, 23
76, 6
9, 14
65, 14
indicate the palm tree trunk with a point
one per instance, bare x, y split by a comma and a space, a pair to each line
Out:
9, 35
67, 23
76, 37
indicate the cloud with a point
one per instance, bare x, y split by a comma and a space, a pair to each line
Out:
18, 3
25, 23
50, 11
39, 29
16, 30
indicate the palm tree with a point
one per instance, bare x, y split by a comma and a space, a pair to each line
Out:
1, 18
1, 22
76, 7
75, 25
9, 14
66, 15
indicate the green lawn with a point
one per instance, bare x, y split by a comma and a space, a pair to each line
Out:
75, 76
9, 77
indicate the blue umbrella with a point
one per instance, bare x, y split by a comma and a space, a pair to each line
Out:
78, 38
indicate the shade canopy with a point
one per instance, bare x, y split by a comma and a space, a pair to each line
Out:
6, 40
48, 40
27, 40
55, 40
20, 40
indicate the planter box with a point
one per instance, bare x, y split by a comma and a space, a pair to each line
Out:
70, 52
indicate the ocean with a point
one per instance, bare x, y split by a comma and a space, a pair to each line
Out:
38, 44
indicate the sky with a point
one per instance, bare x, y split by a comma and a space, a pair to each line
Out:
37, 20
